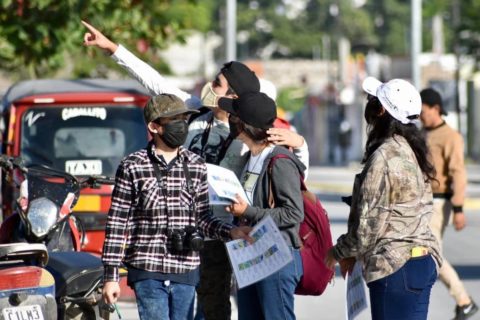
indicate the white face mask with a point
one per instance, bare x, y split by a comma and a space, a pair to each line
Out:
208, 96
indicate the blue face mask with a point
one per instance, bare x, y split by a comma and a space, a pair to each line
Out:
175, 133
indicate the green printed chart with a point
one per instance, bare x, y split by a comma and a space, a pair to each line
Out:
252, 262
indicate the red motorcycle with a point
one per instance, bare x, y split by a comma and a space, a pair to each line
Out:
27, 289
44, 199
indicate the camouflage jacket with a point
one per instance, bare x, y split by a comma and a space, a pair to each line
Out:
391, 208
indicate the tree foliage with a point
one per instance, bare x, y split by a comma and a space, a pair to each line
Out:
468, 29
36, 35
298, 33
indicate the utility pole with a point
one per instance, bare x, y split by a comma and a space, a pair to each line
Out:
231, 31
416, 38
456, 50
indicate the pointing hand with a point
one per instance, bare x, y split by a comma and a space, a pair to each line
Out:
95, 38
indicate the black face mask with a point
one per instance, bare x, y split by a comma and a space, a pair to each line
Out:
175, 133
234, 127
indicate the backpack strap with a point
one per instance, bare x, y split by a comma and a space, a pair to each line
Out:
284, 156
271, 200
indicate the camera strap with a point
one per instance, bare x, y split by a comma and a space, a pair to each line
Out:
204, 140
188, 178
158, 174
190, 187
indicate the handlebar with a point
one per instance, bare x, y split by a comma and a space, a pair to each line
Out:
94, 181
10, 163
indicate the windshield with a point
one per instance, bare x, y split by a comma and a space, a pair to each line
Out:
46, 182
82, 140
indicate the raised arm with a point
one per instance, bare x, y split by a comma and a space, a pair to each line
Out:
153, 81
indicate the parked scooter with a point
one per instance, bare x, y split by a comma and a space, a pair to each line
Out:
45, 200
27, 289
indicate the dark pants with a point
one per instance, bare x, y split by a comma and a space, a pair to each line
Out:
213, 292
404, 294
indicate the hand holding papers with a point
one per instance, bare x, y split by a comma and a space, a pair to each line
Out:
356, 297
223, 185
266, 255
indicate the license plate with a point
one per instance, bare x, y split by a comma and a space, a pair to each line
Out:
33, 312
84, 167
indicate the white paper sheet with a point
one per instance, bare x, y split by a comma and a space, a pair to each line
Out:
223, 185
356, 296
268, 254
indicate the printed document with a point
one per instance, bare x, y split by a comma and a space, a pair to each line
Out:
223, 185
268, 254
356, 297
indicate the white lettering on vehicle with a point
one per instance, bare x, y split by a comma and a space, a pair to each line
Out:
83, 167
100, 113
31, 117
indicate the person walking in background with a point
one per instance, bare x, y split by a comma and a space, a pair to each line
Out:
388, 226
251, 115
446, 149
159, 204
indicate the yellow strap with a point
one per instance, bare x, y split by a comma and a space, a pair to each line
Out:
419, 251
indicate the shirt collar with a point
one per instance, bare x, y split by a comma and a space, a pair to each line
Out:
436, 127
181, 155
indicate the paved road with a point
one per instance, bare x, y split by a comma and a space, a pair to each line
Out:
461, 248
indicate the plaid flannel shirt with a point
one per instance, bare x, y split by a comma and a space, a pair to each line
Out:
142, 213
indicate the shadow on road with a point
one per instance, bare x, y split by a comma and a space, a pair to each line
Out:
468, 272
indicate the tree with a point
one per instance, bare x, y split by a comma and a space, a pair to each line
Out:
391, 19
296, 29
468, 29
37, 36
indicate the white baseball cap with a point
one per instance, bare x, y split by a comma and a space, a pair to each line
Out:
397, 96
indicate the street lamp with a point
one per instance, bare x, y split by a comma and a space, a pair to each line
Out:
231, 32
416, 38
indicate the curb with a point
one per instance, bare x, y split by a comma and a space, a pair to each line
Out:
471, 202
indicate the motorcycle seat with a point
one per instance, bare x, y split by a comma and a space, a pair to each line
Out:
75, 273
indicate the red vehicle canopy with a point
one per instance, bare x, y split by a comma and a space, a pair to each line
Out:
84, 127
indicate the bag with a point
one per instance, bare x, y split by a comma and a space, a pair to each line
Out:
316, 240
282, 123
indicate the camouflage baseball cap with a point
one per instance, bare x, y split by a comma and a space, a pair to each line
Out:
164, 106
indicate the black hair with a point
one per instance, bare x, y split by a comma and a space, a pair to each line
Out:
384, 126
432, 97
258, 135
217, 83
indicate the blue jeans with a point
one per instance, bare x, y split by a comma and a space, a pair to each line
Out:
272, 297
404, 294
160, 300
